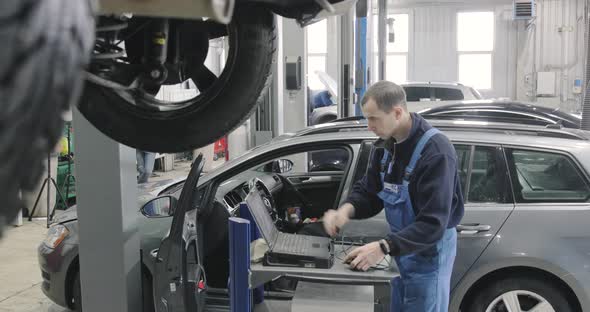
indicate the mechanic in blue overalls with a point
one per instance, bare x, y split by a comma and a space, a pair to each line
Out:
412, 174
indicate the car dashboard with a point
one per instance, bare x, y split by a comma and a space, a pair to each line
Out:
234, 191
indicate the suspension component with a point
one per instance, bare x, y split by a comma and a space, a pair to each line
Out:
156, 51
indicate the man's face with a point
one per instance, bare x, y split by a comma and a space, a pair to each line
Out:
383, 124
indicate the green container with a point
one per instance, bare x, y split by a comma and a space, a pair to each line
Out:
65, 169
68, 190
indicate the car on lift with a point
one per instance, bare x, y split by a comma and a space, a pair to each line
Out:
138, 56
420, 96
504, 111
134, 51
516, 250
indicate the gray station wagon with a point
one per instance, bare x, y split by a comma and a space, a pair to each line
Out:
523, 243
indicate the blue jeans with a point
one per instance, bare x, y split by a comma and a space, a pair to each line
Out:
145, 165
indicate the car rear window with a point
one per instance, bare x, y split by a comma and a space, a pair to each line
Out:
546, 177
448, 94
417, 94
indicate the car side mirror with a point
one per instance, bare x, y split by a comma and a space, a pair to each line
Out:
282, 166
160, 207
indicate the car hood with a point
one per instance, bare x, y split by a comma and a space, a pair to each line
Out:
146, 192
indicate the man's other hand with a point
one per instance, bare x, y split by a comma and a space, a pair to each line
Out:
365, 257
334, 220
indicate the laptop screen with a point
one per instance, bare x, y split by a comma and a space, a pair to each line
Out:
262, 217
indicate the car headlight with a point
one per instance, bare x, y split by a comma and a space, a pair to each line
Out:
55, 235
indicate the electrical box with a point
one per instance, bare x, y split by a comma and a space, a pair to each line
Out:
293, 73
546, 83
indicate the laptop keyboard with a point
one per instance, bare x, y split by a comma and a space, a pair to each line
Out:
292, 243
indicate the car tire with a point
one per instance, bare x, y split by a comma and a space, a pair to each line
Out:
147, 292
77, 294
45, 47
524, 292
214, 113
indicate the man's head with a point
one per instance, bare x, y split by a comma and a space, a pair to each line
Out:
384, 106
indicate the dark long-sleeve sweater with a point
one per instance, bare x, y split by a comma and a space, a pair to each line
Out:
434, 187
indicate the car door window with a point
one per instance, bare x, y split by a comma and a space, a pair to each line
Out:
311, 180
463, 159
546, 177
483, 185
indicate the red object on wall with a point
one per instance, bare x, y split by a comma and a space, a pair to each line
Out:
220, 149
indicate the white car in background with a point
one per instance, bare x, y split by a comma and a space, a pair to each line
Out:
420, 96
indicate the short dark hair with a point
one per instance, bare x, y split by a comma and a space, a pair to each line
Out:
386, 95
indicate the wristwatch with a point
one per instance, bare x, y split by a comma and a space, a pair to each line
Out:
384, 246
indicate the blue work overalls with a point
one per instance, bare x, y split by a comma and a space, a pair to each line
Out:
425, 280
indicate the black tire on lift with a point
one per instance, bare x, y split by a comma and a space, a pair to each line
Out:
44, 48
214, 113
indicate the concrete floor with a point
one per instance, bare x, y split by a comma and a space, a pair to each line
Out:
20, 276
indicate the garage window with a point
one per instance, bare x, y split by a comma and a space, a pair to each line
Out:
396, 52
546, 177
317, 51
475, 46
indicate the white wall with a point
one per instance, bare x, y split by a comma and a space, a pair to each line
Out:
552, 50
433, 43
433, 46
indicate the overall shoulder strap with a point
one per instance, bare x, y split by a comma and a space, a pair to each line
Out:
418, 151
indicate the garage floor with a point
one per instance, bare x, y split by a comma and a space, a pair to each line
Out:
20, 276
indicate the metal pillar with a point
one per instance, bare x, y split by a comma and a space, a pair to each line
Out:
382, 39
361, 58
106, 187
240, 294
586, 99
292, 105
346, 69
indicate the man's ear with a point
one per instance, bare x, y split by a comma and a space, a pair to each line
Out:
398, 112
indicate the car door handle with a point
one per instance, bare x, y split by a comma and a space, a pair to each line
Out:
473, 228
317, 180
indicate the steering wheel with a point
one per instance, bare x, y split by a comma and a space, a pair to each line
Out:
267, 198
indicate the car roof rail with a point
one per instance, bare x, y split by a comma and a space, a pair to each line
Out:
333, 127
511, 128
351, 118
479, 126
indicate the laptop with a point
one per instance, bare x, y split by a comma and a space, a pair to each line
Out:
287, 249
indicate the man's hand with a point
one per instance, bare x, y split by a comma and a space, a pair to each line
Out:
334, 220
365, 257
